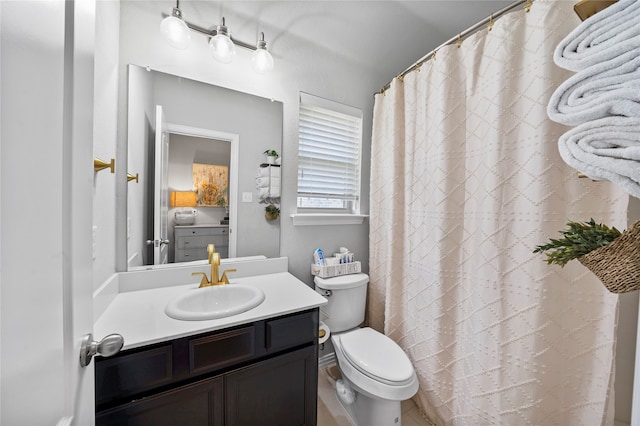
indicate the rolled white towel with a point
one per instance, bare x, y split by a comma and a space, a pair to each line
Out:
609, 88
606, 149
263, 193
262, 172
262, 182
601, 37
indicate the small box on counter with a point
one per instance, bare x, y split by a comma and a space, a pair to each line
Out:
336, 270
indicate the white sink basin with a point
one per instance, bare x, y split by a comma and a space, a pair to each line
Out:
213, 302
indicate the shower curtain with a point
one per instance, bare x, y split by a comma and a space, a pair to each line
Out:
466, 180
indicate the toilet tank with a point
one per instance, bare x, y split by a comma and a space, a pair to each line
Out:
347, 295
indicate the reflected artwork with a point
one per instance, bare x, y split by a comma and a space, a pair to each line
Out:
211, 183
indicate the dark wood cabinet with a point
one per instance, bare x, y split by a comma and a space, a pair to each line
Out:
275, 391
196, 404
262, 373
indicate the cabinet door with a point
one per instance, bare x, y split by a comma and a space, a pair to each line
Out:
198, 404
278, 391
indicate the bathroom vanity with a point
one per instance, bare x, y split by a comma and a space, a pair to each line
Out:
256, 367
265, 372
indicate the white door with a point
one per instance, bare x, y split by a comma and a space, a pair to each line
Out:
161, 191
77, 228
46, 210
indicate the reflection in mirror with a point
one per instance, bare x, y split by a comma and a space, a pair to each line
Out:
197, 180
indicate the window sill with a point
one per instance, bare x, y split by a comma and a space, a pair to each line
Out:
311, 219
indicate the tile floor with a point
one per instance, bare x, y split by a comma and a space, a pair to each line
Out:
331, 412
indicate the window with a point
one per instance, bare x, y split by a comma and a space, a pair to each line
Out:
330, 139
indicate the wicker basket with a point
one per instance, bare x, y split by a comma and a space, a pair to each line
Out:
618, 263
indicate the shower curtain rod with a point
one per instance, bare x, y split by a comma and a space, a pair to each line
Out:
459, 38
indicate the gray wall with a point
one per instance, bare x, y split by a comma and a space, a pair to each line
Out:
304, 68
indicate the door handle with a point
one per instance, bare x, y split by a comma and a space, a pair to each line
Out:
157, 243
108, 346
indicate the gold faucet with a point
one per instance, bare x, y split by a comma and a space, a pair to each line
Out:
214, 261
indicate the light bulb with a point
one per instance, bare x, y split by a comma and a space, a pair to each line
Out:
175, 30
221, 47
262, 61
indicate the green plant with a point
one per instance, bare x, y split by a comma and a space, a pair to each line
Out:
271, 153
272, 210
579, 239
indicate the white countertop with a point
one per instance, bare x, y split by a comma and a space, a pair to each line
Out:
139, 315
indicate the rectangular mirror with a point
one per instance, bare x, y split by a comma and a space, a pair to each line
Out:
173, 124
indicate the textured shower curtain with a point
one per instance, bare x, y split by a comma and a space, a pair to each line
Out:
466, 180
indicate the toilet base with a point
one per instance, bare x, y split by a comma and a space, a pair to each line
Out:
366, 410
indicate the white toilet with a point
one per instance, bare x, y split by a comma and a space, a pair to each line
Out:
376, 373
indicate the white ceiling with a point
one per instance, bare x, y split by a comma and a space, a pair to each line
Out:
380, 37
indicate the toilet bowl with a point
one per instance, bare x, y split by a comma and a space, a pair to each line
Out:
376, 373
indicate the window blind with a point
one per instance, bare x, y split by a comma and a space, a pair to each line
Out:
328, 154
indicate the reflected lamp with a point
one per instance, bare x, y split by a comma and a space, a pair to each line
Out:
183, 199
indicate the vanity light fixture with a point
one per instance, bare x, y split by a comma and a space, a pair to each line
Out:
175, 29
221, 43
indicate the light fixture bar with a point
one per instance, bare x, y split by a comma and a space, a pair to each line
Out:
211, 33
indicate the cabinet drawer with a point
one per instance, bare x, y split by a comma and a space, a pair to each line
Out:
201, 241
191, 254
290, 331
201, 231
220, 350
134, 373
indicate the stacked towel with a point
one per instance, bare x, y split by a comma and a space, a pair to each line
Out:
608, 88
603, 98
606, 149
268, 184
602, 37
274, 187
268, 171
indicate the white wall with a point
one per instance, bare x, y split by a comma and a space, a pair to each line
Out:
105, 130
626, 343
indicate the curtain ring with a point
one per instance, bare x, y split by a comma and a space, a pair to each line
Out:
490, 22
527, 5
433, 55
459, 42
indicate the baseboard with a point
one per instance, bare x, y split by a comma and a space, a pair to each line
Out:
326, 360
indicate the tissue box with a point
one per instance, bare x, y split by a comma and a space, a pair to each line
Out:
187, 217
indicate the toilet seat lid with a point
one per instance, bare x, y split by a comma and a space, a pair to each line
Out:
376, 355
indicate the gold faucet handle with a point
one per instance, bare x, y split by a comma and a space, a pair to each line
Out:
204, 281
211, 249
224, 278
215, 259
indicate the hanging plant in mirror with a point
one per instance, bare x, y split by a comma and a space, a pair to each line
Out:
271, 212
272, 156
